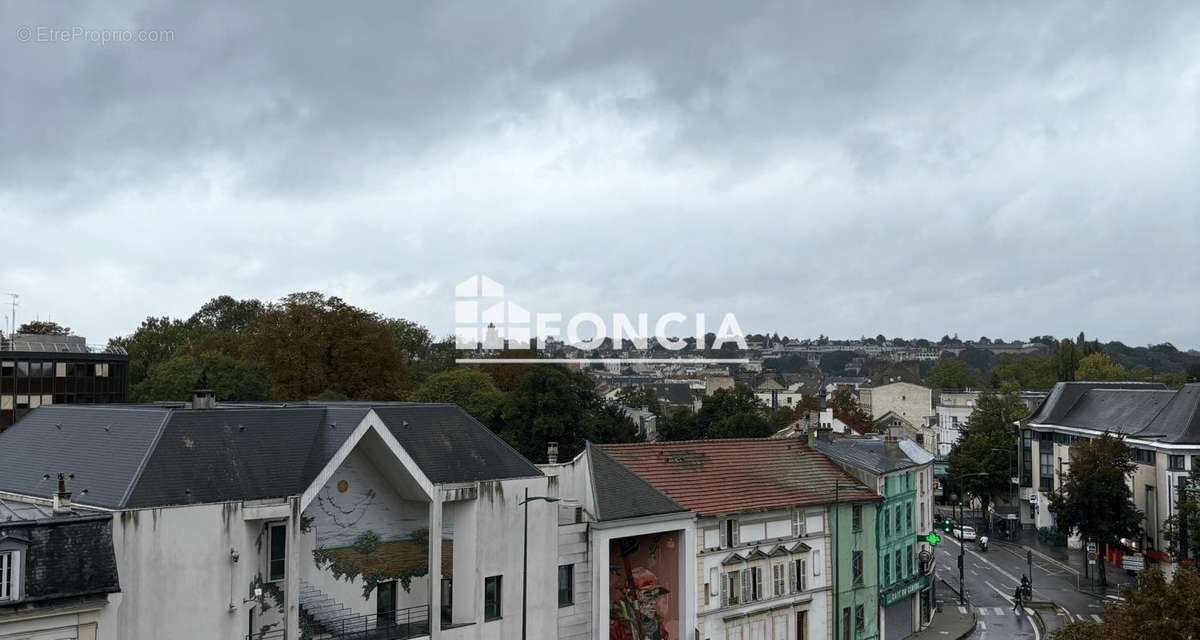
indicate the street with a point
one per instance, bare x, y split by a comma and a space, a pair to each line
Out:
992, 577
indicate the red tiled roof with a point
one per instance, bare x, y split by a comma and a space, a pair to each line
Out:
713, 477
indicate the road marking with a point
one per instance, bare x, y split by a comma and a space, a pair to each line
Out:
982, 625
974, 573
962, 610
1097, 618
999, 611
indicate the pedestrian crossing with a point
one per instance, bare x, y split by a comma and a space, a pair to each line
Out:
993, 612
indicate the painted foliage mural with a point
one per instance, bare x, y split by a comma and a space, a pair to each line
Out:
644, 587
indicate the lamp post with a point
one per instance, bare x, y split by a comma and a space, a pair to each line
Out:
525, 556
962, 545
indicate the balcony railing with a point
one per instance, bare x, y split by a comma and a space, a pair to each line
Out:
400, 625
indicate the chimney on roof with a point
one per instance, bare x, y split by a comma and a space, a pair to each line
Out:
204, 399
552, 453
62, 498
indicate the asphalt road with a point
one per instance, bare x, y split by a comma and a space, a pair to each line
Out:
992, 577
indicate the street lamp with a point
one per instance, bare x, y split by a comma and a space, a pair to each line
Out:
525, 556
962, 546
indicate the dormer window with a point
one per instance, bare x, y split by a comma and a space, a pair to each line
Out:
10, 575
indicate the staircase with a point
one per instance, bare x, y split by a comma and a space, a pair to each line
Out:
319, 610
324, 618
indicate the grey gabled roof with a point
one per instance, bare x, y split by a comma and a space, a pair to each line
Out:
1065, 395
873, 454
621, 494
135, 457
452, 446
1141, 409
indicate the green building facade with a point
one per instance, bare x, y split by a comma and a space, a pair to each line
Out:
855, 569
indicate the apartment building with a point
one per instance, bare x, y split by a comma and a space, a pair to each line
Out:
902, 472
341, 520
784, 539
38, 370
1161, 425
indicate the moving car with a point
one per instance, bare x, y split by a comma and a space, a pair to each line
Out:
964, 532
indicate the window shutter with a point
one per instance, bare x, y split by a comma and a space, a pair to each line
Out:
791, 577
746, 585
724, 542
737, 534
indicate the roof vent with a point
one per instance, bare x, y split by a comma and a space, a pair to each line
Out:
204, 399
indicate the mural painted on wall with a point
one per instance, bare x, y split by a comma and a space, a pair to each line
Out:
364, 530
644, 588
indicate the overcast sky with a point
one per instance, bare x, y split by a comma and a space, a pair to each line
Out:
840, 168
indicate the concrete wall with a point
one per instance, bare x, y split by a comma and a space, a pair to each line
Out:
85, 622
911, 401
178, 579
575, 621
497, 547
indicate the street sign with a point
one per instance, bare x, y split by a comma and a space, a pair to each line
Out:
1135, 562
931, 538
1091, 551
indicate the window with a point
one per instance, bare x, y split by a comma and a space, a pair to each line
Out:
491, 597
857, 568
1175, 463
7, 369
778, 579
921, 481
1046, 459
887, 573
898, 567
816, 558
798, 524
1027, 458
60, 369
1143, 456
801, 575
733, 588
860, 619
887, 523
908, 509
8, 575
277, 552
756, 584
845, 623
856, 517
910, 560
729, 533
566, 585
899, 527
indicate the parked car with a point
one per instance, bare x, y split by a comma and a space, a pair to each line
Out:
964, 532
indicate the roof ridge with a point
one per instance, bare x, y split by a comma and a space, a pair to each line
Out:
137, 475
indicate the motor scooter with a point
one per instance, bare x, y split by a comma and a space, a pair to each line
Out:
983, 544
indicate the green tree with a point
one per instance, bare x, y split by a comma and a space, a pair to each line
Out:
733, 413
678, 423
847, 409
1095, 500
175, 379
1067, 360
471, 389
152, 343
1160, 608
952, 373
227, 314
987, 445
552, 404
1035, 372
639, 398
44, 328
1098, 367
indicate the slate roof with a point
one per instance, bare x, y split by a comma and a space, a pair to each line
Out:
65, 557
1144, 410
135, 457
714, 477
676, 393
621, 494
873, 454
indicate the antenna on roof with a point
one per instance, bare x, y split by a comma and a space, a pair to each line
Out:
13, 317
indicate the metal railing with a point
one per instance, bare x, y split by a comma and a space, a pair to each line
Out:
399, 625
58, 347
276, 634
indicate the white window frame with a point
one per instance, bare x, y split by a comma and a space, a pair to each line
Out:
10, 566
778, 579
798, 524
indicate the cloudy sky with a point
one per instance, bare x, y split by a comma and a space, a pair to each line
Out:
843, 168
